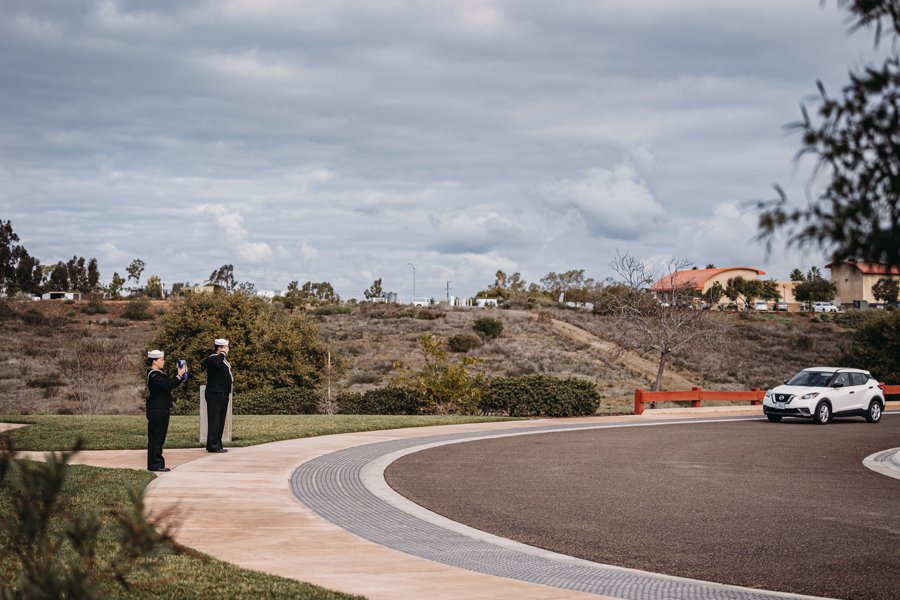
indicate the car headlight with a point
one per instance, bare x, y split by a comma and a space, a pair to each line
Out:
809, 396
768, 396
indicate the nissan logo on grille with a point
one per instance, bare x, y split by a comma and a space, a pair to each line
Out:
783, 397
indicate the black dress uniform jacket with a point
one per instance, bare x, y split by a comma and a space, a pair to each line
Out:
218, 374
158, 406
161, 387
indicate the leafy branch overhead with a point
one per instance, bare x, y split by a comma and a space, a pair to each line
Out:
855, 137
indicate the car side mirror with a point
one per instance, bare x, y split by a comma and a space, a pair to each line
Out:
784, 382
837, 384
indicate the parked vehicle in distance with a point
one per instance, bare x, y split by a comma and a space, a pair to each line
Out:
821, 393
824, 307
781, 306
761, 305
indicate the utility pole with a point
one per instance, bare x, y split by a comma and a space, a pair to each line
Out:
448, 293
414, 282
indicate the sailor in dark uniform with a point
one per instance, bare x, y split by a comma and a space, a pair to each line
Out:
218, 390
158, 406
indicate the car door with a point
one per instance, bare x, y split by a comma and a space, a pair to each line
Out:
858, 389
841, 396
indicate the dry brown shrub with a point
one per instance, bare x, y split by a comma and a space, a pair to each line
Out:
90, 365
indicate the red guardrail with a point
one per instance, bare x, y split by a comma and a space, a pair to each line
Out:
697, 395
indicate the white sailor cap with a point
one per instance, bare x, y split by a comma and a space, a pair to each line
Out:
220, 342
154, 354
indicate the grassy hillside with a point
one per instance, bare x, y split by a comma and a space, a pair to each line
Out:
756, 351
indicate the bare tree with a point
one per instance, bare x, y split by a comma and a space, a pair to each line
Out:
657, 312
90, 365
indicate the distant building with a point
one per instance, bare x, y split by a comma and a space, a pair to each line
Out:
854, 280
202, 288
268, 294
703, 279
61, 296
486, 302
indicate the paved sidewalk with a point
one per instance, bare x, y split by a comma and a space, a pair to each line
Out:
239, 508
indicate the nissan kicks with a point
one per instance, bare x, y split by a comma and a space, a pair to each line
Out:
821, 393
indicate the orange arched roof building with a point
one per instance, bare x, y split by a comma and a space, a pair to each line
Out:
702, 279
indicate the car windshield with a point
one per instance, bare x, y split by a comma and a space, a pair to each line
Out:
811, 378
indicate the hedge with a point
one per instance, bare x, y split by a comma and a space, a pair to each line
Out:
262, 401
380, 401
540, 396
278, 401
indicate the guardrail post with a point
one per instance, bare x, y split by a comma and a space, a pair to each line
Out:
759, 393
695, 402
639, 401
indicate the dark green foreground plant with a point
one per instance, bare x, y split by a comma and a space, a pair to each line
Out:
56, 548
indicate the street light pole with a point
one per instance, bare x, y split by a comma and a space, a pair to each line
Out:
414, 282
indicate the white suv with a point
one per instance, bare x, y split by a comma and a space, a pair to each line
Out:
822, 392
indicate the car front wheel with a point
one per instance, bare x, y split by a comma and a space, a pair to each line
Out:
873, 415
822, 414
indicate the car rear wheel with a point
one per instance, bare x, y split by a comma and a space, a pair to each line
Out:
822, 414
873, 415
774, 418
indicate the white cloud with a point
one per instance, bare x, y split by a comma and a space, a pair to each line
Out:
613, 202
467, 231
251, 65
232, 225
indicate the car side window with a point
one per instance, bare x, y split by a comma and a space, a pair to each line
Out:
858, 378
841, 379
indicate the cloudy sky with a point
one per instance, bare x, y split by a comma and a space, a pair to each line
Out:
344, 140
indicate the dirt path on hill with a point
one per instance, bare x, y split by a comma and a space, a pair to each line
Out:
630, 360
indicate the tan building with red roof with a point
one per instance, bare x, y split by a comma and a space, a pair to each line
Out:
702, 279
854, 280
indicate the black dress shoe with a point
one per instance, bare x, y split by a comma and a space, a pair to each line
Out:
161, 470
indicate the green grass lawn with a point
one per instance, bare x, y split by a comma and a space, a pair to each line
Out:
179, 575
59, 432
170, 575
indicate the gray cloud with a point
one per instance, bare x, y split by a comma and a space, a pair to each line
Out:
343, 140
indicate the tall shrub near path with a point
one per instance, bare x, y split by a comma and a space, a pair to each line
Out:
445, 386
269, 347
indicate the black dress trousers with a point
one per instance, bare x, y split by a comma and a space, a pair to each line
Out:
157, 427
216, 409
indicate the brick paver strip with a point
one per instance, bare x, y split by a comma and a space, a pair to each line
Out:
347, 488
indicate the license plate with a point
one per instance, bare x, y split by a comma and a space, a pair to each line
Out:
779, 405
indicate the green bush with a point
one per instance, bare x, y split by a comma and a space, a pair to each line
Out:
34, 317
331, 309
95, 306
540, 396
280, 401
854, 319
380, 401
136, 310
488, 328
465, 341
270, 347
875, 346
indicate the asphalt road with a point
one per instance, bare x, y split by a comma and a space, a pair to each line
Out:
786, 506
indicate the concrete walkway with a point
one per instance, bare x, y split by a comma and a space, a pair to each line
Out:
239, 507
